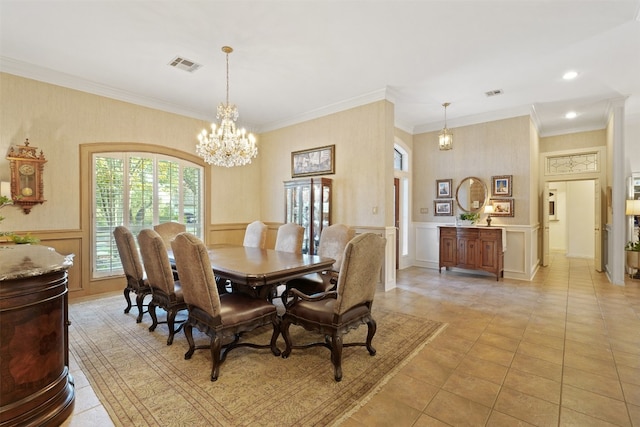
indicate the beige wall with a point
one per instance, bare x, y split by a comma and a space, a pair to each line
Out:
363, 179
573, 141
483, 150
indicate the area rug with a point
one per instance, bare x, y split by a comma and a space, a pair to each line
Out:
143, 382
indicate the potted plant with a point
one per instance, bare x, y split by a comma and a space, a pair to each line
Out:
633, 256
468, 218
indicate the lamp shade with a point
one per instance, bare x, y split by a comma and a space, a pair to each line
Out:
633, 207
488, 209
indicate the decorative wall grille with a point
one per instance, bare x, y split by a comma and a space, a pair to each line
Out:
574, 163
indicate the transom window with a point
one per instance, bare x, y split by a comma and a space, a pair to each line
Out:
139, 190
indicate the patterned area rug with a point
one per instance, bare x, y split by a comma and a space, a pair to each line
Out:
143, 382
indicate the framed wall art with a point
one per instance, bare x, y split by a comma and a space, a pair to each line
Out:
443, 207
502, 207
443, 188
501, 185
316, 161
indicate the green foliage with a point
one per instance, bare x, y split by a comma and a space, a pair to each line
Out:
468, 216
633, 246
18, 239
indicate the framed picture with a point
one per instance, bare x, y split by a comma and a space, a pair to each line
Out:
443, 188
443, 207
501, 186
502, 207
316, 161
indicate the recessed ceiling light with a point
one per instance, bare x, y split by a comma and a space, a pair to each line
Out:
571, 115
570, 75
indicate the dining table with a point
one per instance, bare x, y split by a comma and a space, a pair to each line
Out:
260, 270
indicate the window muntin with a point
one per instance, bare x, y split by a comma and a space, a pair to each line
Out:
138, 190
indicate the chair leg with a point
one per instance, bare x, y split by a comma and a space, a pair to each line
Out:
140, 304
128, 299
154, 318
192, 346
216, 345
171, 319
274, 337
336, 356
371, 325
284, 330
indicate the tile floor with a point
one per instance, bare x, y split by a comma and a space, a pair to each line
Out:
562, 350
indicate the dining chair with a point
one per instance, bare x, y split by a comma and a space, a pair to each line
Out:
165, 291
333, 313
333, 240
219, 316
255, 235
289, 238
169, 230
133, 270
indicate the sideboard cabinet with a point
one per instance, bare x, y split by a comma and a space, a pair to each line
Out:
36, 388
308, 202
472, 248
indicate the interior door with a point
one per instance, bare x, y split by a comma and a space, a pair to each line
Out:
396, 218
597, 258
545, 225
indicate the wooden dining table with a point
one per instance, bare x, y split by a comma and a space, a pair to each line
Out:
261, 269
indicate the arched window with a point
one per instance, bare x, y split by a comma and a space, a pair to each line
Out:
138, 190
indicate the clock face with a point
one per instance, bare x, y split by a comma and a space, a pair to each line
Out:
26, 170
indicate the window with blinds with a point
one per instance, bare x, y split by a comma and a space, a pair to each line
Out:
138, 190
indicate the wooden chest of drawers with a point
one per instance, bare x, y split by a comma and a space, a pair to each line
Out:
472, 248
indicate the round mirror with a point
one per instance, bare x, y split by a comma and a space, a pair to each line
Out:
471, 194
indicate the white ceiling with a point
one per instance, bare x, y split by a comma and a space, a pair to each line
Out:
298, 60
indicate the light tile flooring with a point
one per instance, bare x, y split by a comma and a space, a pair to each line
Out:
562, 350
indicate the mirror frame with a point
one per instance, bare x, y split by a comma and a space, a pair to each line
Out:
486, 194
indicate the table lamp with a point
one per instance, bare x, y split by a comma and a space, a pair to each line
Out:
488, 209
633, 208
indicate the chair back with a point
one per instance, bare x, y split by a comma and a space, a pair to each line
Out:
333, 240
129, 256
196, 275
360, 271
156, 261
289, 238
255, 236
169, 230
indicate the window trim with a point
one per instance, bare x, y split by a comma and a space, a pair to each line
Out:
87, 151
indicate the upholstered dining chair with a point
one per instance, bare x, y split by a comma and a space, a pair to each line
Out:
165, 291
289, 238
255, 235
221, 317
133, 270
333, 240
169, 230
334, 313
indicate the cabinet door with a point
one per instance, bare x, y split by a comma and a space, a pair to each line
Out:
448, 245
489, 255
467, 252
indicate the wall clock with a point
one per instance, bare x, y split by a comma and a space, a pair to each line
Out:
27, 167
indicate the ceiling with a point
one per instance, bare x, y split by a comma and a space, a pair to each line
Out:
293, 61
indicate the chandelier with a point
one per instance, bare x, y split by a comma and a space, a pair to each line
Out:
226, 145
445, 139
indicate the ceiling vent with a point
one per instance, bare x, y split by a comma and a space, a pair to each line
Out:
184, 64
494, 92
